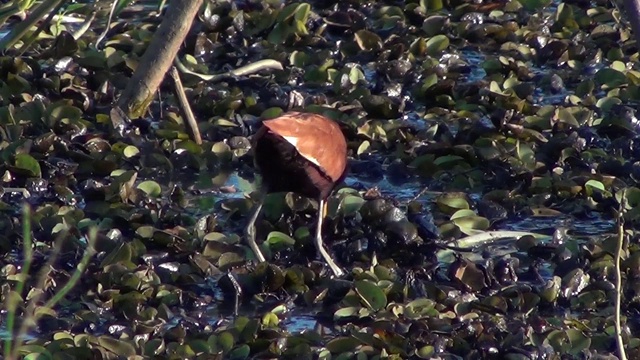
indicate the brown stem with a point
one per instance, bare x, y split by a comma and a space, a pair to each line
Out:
158, 57
189, 121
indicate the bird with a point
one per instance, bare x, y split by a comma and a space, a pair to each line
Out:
304, 153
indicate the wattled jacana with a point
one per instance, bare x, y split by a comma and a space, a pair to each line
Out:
303, 153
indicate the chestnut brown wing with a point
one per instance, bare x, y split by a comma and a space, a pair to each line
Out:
317, 138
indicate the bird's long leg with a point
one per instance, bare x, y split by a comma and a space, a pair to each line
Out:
250, 231
318, 241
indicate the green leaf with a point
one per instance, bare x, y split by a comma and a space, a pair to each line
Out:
579, 341
270, 320
302, 12
426, 352
226, 341
61, 110
431, 5
462, 213
451, 203
364, 147
130, 151
35, 352
534, 5
350, 204
468, 224
526, 154
240, 353
300, 28
355, 75
278, 34
278, 240
435, 24
28, 163
120, 347
429, 81
151, 188
371, 295
610, 78
146, 231
346, 312
343, 344
437, 44
122, 254
368, 41
448, 161
595, 184
287, 12
632, 195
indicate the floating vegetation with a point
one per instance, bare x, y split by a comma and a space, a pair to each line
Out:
493, 174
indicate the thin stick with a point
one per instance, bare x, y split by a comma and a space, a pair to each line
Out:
618, 279
190, 121
85, 26
267, 64
106, 28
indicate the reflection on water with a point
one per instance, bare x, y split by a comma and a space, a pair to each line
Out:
208, 189
299, 323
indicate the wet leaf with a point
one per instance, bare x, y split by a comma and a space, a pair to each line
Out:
270, 320
371, 295
241, 352
368, 41
610, 78
451, 203
426, 352
120, 347
579, 341
229, 260
278, 240
351, 204
437, 44
346, 312
28, 163
150, 188
468, 274
431, 5
534, 5
130, 151
226, 341
341, 345
61, 110
364, 147
302, 12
